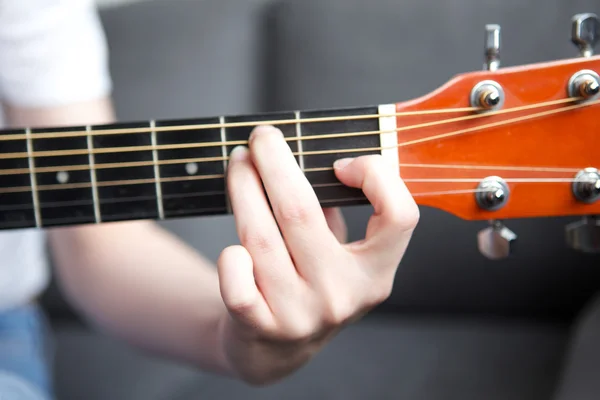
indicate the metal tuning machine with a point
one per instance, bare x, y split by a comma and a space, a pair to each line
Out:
492, 47
488, 95
584, 235
497, 241
585, 32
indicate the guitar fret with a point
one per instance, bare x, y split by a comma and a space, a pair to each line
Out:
65, 194
119, 199
328, 194
225, 163
192, 197
34, 193
97, 215
299, 135
17, 208
159, 199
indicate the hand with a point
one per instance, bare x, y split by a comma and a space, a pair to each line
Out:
293, 283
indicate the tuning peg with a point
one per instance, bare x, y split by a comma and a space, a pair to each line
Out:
584, 235
492, 47
497, 241
585, 32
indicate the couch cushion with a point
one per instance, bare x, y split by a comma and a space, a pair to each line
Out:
433, 359
337, 53
379, 357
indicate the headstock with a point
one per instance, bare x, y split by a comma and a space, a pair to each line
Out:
529, 147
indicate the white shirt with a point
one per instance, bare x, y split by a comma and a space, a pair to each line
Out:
52, 53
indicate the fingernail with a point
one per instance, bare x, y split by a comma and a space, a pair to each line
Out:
343, 163
239, 153
264, 130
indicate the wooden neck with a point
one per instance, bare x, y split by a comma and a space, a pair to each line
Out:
164, 169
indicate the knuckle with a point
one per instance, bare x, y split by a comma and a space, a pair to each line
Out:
241, 306
294, 214
381, 294
301, 330
405, 216
257, 241
339, 312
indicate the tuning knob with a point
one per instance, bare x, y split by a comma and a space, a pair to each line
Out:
497, 241
584, 235
492, 47
585, 32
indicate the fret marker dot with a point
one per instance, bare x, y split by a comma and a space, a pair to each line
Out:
191, 168
62, 177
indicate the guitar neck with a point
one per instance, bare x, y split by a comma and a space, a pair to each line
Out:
171, 168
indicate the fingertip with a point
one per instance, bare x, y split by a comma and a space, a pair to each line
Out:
341, 164
263, 130
236, 278
348, 171
239, 153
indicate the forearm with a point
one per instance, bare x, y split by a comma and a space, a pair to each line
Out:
152, 291
134, 280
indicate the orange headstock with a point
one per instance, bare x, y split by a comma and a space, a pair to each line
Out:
517, 142
544, 132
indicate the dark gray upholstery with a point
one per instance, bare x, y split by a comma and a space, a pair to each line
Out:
440, 336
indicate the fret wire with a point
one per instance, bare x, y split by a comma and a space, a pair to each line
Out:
299, 137
225, 160
159, 200
90, 143
33, 188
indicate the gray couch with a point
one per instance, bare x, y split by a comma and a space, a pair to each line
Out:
457, 325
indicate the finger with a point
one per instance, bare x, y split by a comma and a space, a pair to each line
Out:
238, 287
335, 220
395, 212
295, 204
257, 229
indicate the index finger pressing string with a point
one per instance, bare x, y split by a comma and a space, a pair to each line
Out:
395, 211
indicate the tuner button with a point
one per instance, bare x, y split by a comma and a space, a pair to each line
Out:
584, 235
585, 33
487, 96
492, 193
586, 186
497, 241
492, 47
584, 85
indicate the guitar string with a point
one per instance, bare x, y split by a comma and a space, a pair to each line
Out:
128, 149
129, 182
125, 182
152, 198
124, 131
100, 166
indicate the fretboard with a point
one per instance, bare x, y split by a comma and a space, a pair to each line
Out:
168, 169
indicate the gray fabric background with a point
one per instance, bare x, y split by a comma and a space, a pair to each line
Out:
457, 326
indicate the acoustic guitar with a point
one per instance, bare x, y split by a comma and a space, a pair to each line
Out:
495, 144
